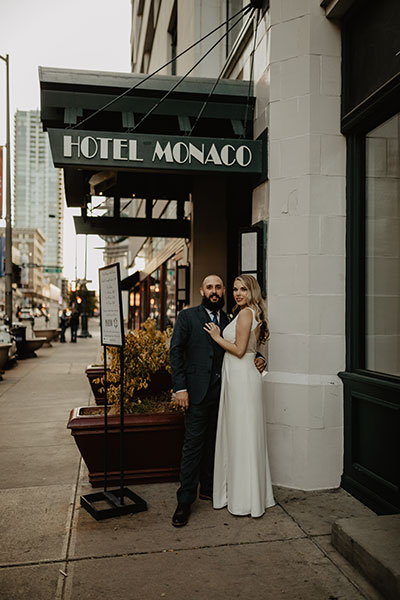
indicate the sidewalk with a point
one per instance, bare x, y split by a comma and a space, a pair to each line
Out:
51, 548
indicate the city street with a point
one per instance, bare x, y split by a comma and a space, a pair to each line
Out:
52, 549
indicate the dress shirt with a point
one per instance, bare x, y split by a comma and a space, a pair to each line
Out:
210, 314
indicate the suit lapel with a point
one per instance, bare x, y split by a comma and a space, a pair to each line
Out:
204, 318
203, 315
224, 320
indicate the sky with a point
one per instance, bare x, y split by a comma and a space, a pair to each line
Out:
78, 34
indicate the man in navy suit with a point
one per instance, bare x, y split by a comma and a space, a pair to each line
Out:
196, 363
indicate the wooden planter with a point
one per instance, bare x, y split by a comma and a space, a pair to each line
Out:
153, 445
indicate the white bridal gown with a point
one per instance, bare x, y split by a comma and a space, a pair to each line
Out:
242, 480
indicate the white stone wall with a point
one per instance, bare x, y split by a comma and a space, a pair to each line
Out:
297, 78
306, 245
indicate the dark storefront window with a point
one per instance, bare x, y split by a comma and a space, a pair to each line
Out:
143, 298
134, 319
135, 297
159, 296
169, 299
382, 248
155, 297
370, 121
131, 320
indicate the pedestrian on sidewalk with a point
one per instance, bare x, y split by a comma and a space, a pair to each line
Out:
64, 322
74, 323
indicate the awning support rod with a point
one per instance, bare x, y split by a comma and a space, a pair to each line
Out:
153, 108
228, 58
241, 11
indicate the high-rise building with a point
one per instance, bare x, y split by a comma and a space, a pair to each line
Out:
38, 188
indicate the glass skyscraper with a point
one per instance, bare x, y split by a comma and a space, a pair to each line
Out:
38, 187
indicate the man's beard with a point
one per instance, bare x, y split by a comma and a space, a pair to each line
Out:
207, 303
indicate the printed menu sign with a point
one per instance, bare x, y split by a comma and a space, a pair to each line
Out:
112, 332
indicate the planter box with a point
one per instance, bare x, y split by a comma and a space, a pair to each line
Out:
153, 445
4, 350
49, 334
26, 348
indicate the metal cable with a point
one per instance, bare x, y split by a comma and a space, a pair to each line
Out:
217, 81
153, 108
99, 110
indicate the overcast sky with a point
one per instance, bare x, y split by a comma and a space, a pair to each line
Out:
77, 34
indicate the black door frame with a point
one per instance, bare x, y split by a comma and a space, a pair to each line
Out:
371, 399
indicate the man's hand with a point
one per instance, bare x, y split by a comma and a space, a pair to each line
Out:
182, 399
260, 364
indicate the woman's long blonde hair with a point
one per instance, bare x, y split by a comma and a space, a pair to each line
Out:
255, 300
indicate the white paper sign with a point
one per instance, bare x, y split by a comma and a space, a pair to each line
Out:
110, 306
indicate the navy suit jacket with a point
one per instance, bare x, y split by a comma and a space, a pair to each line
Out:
192, 352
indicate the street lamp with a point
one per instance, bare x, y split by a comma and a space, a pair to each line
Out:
8, 261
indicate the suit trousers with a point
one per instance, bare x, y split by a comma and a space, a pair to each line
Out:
198, 452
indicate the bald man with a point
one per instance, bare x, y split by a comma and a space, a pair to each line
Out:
196, 363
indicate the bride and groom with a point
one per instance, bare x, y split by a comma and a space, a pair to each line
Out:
217, 381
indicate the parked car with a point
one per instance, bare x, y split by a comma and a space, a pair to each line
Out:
25, 313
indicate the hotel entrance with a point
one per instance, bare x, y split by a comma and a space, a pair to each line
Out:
179, 196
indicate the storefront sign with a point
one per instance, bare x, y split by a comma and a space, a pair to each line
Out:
112, 330
158, 152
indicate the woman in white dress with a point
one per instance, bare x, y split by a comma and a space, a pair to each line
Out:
242, 480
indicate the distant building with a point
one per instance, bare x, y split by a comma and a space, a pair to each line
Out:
65, 289
31, 245
38, 188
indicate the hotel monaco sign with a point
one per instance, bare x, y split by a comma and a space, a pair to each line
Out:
157, 152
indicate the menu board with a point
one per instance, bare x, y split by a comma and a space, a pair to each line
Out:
112, 329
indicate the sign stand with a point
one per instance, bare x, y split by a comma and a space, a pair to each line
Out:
121, 501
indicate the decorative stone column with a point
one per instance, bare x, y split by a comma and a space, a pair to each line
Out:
304, 202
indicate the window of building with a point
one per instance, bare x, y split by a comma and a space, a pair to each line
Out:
232, 7
173, 38
170, 295
144, 303
382, 248
134, 308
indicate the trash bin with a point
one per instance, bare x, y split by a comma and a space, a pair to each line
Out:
19, 332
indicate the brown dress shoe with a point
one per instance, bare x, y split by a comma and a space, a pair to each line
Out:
205, 496
181, 515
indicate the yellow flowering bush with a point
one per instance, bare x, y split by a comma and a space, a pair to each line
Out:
146, 351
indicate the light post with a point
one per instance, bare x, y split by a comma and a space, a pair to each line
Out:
8, 261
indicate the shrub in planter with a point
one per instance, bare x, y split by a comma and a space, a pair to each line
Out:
146, 366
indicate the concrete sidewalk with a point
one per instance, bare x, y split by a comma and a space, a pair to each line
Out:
53, 549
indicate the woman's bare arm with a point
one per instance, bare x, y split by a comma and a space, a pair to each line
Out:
243, 328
